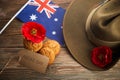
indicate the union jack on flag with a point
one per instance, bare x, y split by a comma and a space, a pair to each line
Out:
46, 13
44, 5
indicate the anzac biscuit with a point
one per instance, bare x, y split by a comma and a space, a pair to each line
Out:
49, 53
32, 46
54, 45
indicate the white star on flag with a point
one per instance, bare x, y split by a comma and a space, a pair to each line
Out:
56, 19
54, 33
33, 17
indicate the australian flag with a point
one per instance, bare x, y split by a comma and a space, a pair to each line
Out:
46, 13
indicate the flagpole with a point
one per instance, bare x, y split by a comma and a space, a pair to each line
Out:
13, 17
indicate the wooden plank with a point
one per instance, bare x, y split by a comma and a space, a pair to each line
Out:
8, 10
14, 41
64, 68
63, 3
13, 29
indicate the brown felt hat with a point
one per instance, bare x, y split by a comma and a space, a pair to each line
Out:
89, 24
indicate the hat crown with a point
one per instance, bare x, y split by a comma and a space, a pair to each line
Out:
106, 21
105, 24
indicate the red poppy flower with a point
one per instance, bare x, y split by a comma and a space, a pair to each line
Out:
34, 32
101, 56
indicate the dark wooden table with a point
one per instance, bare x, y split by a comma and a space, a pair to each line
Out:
64, 67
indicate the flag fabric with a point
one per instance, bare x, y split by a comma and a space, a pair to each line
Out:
46, 13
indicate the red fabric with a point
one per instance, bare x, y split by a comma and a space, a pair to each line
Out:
101, 56
34, 32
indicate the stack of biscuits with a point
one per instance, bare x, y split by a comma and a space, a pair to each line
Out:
49, 48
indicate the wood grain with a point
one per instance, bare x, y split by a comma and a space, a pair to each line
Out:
64, 67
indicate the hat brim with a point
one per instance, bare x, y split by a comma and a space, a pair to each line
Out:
75, 35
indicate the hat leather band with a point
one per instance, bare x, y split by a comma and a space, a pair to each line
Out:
92, 37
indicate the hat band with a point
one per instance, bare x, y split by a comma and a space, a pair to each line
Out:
92, 37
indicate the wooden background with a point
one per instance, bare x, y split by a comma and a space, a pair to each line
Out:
64, 67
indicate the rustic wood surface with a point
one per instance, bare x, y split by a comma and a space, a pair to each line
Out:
64, 67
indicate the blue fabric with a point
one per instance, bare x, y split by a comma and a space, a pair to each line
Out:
52, 23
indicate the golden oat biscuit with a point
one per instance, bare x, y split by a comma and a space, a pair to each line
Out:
32, 46
49, 53
54, 45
